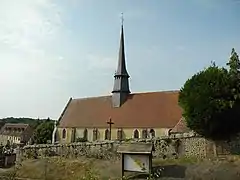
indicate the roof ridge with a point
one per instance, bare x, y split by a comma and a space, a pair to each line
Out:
149, 92
92, 97
16, 123
136, 93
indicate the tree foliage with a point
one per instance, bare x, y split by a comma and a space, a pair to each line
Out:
43, 133
210, 100
234, 63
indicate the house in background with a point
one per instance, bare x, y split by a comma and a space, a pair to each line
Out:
15, 133
181, 129
131, 115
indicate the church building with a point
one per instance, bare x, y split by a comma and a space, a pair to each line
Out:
121, 115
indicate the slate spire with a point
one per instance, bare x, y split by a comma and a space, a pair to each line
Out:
121, 82
121, 69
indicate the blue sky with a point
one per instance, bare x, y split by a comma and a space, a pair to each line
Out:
51, 50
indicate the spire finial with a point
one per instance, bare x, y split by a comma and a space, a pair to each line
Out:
122, 19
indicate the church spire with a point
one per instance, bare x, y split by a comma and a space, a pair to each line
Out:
121, 69
121, 83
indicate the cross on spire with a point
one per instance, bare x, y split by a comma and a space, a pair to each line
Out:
122, 19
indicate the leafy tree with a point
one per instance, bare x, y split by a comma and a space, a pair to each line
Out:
209, 102
43, 132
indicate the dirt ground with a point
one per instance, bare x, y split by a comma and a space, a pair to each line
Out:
79, 169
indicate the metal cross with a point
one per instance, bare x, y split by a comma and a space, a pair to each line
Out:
122, 19
110, 127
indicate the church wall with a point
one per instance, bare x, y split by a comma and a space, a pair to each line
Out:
162, 131
128, 133
68, 138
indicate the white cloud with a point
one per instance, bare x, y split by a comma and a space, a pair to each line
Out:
28, 30
99, 62
26, 24
26, 27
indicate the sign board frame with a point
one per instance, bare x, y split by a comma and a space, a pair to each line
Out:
136, 157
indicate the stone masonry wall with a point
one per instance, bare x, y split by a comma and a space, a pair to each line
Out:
165, 147
195, 147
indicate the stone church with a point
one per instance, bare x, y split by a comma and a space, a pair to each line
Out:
121, 115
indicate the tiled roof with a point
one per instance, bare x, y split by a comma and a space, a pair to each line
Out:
13, 129
181, 127
153, 109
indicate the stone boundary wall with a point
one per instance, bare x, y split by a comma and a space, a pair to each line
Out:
164, 147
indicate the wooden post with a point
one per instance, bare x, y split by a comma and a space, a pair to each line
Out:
110, 123
150, 164
122, 165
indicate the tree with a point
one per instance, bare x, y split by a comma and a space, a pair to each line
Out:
234, 63
209, 103
234, 71
43, 132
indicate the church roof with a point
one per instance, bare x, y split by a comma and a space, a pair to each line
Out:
181, 127
141, 110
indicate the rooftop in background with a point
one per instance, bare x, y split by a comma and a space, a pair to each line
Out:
181, 127
13, 129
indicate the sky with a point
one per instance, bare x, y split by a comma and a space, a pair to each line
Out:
51, 50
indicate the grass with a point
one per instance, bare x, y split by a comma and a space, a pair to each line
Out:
55, 168
95, 169
179, 161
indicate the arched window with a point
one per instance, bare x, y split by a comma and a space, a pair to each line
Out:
136, 134
85, 134
169, 132
107, 134
152, 133
95, 134
144, 134
64, 133
119, 134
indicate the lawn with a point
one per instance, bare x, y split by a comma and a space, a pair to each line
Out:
95, 169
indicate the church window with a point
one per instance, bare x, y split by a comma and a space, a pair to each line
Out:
152, 132
144, 133
136, 134
85, 134
64, 133
95, 134
119, 134
107, 134
169, 132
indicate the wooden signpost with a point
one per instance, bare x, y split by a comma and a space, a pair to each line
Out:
136, 157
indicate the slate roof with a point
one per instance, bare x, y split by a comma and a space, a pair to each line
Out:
141, 110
